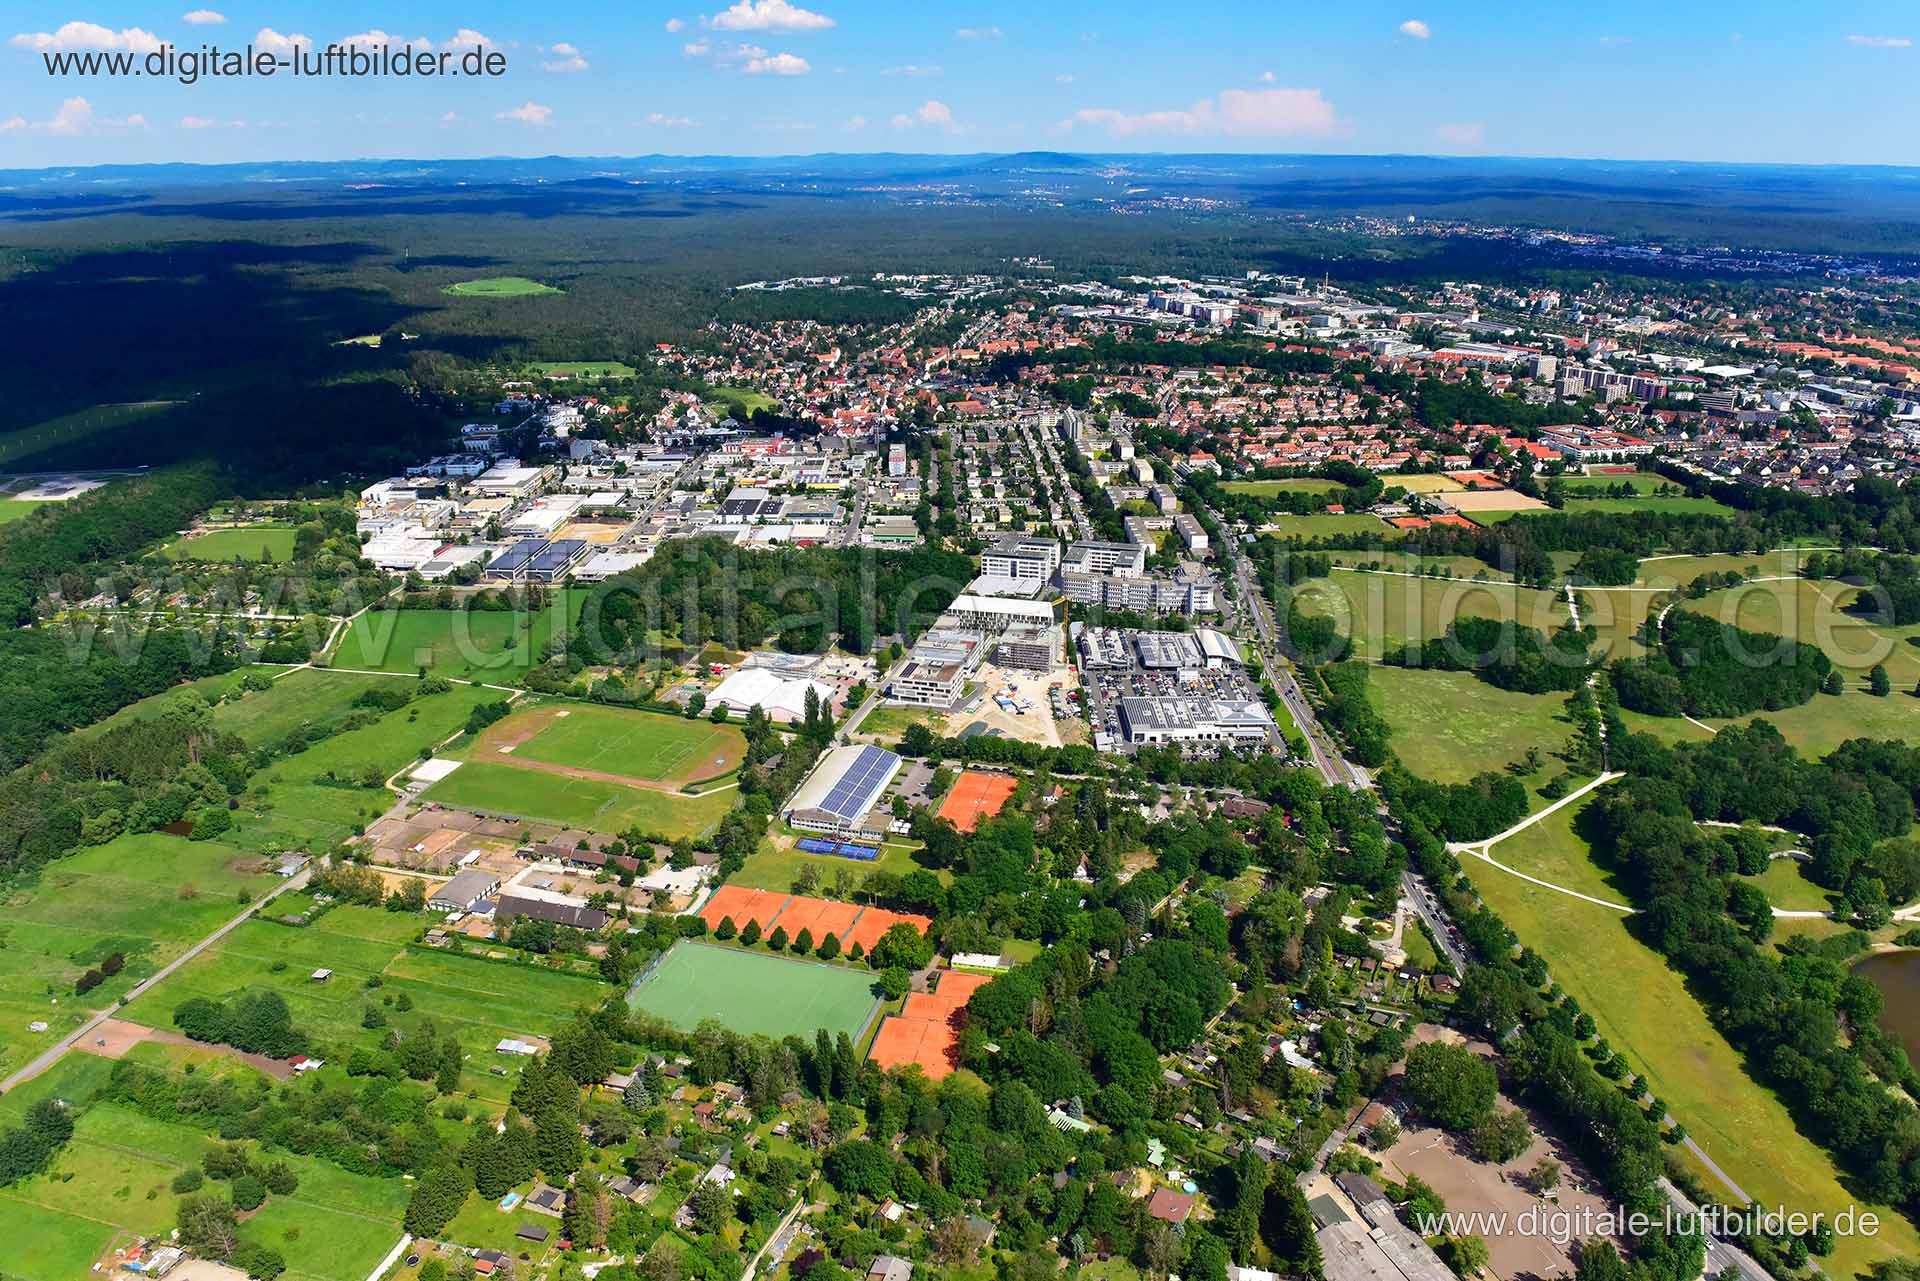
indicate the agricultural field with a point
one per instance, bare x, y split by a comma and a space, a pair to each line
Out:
1450, 726
114, 1177
481, 1001
1284, 485
500, 287
1378, 611
148, 896
74, 428
754, 991
1644, 1009
584, 369
250, 542
611, 740
494, 645
1423, 483
587, 803
323, 795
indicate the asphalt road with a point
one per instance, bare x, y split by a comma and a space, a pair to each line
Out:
53, 1052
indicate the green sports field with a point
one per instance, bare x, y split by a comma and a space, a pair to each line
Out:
645, 745
584, 368
587, 803
754, 991
500, 287
484, 645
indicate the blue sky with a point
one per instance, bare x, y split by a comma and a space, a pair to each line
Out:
1759, 81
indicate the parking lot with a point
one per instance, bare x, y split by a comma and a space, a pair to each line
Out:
1105, 686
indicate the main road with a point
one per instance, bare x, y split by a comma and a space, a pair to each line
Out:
52, 1053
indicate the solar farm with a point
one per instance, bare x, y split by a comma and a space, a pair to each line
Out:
754, 992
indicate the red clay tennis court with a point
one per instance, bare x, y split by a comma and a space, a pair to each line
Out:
818, 916
927, 1031
874, 922
976, 796
742, 905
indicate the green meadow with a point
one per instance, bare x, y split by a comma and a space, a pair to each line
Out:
580, 802
494, 645
500, 287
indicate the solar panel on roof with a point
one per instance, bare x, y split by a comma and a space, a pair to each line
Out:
848, 797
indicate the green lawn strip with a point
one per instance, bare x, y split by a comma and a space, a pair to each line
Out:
500, 287
1380, 611
577, 802
1644, 1009
773, 867
754, 991
1786, 885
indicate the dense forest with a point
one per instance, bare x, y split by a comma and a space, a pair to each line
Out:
1701, 666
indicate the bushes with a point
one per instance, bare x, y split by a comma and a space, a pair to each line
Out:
29, 1147
259, 1023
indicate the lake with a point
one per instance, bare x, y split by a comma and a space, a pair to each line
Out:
1897, 975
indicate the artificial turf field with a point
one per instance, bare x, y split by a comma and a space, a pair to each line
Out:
754, 991
645, 745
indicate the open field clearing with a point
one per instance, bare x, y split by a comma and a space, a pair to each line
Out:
149, 897
251, 542
592, 804
1665, 504
744, 396
611, 740
304, 697
584, 368
1379, 611
1450, 726
500, 287
1643, 1009
1308, 528
1284, 485
484, 644
754, 991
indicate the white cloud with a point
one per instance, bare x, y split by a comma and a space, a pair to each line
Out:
452, 117
1247, 113
203, 18
1266, 77
1064, 78
1415, 29
378, 39
466, 38
676, 24
529, 113
911, 70
273, 42
86, 35
979, 33
662, 120
1463, 134
855, 124
74, 117
566, 58
1865, 42
932, 113
778, 64
768, 15
197, 122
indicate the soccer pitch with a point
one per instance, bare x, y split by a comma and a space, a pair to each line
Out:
634, 744
754, 991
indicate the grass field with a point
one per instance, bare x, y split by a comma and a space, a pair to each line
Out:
72, 429
1422, 483
301, 697
754, 991
747, 396
1450, 726
580, 802
892, 722
1639, 482
149, 896
1787, 887
254, 542
480, 1001
1644, 1010
1665, 504
774, 865
1678, 571
584, 368
1377, 610
316, 798
500, 287
647, 745
1308, 528
1285, 485
485, 645
12, 509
